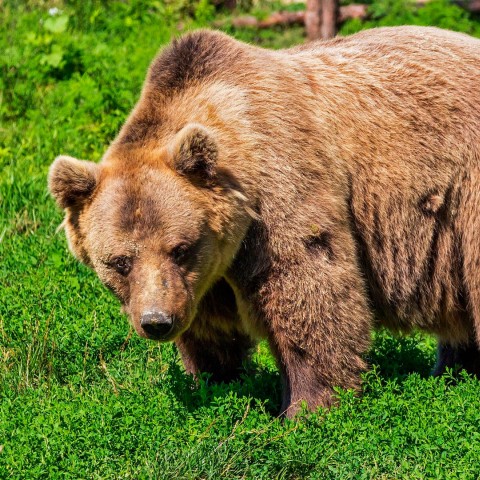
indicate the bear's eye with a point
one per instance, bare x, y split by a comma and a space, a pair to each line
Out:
122, 265
180, 252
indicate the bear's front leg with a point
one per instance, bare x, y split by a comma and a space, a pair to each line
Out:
319, 326
215, 343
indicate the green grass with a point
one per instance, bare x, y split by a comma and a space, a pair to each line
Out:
80, 396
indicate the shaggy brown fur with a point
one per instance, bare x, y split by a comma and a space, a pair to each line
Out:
301, 196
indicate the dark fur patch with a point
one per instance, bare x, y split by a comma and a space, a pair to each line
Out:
139, 212
192, 58
440, 205
321, 242
431, 203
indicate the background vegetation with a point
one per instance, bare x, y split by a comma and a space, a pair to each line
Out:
80, 397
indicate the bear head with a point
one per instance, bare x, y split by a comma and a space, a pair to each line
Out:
159, 225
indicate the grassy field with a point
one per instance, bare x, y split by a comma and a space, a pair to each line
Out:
80, 396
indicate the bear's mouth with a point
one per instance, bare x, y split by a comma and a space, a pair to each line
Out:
158, 338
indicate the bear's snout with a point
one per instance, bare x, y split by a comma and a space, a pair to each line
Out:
156, 324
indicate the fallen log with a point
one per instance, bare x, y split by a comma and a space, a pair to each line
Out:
294, 18
472, 6
355, 10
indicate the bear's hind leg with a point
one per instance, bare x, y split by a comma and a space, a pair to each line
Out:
458, 357
215, 343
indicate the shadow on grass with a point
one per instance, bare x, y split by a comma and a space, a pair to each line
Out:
398, 357
255, 382
395, 358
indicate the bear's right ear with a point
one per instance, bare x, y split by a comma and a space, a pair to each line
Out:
194, 151
72, 181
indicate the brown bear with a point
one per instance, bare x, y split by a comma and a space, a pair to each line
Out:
303, 196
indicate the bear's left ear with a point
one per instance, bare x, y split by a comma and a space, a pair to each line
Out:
195, 152
71, 182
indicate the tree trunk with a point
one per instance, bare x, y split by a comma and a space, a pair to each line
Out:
313, 17
329, 18
321, 18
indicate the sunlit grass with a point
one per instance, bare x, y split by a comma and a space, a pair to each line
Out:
80, 396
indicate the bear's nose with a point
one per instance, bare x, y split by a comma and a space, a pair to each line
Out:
157, 324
